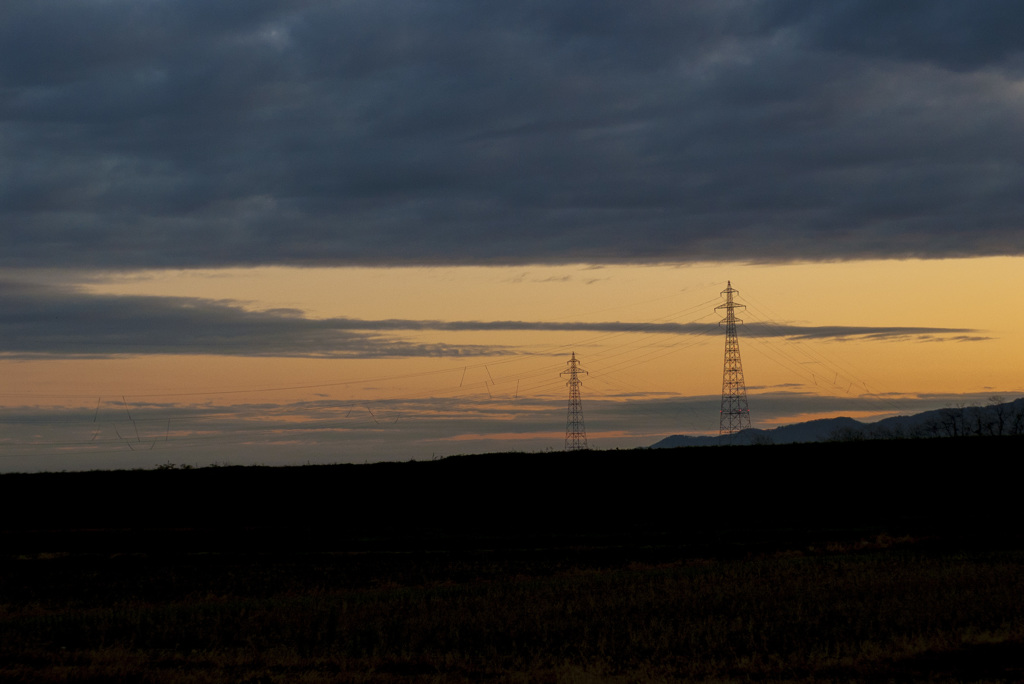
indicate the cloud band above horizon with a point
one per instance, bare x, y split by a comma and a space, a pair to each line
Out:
39, 321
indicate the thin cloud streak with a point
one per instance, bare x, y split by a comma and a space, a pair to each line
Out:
143, 434
38, 322
53, 322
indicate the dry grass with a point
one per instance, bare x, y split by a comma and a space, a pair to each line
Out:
882, 612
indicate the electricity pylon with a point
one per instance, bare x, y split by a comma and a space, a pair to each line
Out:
575, 431
735, 415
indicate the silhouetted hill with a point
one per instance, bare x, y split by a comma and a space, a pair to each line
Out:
961, 421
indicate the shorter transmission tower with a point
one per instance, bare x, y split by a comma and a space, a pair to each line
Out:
575, 431
735, 414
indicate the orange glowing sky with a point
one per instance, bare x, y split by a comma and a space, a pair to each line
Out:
951, 293
367, 408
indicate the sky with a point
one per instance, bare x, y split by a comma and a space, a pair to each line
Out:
291, 231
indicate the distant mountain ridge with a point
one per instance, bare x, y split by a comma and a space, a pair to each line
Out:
960, 421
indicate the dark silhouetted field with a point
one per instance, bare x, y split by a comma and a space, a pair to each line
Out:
869, 561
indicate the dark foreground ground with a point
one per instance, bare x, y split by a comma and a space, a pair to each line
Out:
869, 561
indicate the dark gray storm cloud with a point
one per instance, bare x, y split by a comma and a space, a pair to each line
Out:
61, 322
187, 133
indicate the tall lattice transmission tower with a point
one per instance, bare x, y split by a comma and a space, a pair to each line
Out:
575, 431
735, 414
